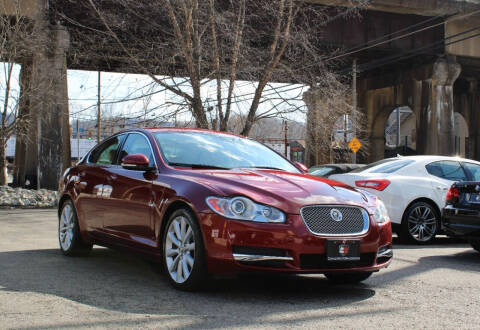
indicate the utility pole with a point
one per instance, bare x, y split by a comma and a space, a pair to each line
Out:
99, 111
397, 110
285, 141
78, 141
354, 105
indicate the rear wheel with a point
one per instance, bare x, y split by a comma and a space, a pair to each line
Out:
475, 245
71, 243
183, 251
420, 223
348, 278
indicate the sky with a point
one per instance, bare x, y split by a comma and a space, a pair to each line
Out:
121, 95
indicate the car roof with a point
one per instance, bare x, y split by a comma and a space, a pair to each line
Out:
434, 158
200, 130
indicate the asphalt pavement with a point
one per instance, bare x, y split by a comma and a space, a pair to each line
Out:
435, 286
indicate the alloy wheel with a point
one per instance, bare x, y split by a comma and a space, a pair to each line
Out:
180, 249
422, 223
65, 229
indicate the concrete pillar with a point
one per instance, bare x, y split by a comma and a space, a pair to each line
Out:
438, 109
474, 103
44, 153
319, 129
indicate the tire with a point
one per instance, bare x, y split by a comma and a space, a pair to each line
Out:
348, 278
69, 239
475, 245
183, 252
420, 223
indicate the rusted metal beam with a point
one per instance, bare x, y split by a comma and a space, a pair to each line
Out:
422, 8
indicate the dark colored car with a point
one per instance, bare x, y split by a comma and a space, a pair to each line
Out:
326, 170
204, 202
461, 214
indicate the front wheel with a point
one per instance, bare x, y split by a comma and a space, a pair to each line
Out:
71, 243
183, 252
475, 245
348, 278
420, 223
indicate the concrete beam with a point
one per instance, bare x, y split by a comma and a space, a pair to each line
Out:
416, 7
469, 47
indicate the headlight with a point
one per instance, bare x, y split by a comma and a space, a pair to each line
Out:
242, 208
381, 213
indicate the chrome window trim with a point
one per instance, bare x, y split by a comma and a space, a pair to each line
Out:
366, 220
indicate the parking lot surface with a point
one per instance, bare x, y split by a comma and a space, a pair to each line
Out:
435, 286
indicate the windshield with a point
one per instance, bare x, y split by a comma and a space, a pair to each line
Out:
390, 165
207, 150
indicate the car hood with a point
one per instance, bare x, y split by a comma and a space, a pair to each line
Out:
285, 191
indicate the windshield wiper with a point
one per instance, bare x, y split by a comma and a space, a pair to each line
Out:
206, 166
264, 168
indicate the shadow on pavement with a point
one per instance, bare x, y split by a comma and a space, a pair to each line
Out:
112, 280
438, 242
468, 261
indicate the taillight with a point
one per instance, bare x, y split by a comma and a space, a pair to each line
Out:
380, 184
452, 195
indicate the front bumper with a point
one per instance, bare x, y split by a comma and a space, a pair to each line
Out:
235, 246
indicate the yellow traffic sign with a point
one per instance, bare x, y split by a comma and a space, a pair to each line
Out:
355, 145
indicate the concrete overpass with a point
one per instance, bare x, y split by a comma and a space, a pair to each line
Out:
434, 84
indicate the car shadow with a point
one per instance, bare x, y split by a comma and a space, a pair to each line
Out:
438, 242
117, 281
465, 261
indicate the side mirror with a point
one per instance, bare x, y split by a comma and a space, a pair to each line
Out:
137, 162
301, 167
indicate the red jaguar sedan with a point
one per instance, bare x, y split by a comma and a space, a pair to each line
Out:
206, 202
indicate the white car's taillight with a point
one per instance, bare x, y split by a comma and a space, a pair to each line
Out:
377, 184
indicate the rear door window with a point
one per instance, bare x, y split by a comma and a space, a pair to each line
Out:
473, 171
106, 153
448, 170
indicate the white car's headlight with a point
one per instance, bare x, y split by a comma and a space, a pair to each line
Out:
381, 213
242, 208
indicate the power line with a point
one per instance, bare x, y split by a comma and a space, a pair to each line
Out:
369, 45
411, 53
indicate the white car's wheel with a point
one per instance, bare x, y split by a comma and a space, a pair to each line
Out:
420, 223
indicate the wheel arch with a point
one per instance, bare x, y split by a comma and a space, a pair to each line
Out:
61, 201
425, 200
172, 207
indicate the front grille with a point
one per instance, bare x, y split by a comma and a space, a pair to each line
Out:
319, 221
319, 261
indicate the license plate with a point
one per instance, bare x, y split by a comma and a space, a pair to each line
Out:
474, 198
343, 250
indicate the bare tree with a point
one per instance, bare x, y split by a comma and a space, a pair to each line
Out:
16, 34
327, 105
217, 42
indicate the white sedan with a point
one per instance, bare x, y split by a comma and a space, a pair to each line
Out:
413, 189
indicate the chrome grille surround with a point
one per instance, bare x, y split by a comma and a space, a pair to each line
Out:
319, 222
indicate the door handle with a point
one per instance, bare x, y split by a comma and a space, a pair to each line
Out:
442, 188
